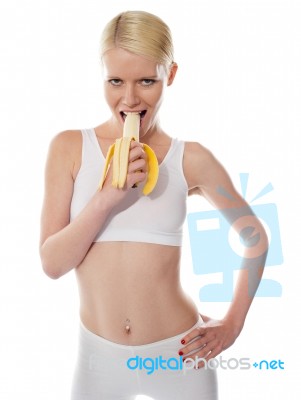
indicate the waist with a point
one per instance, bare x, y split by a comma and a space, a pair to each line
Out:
148, 325
170, 340
134, 285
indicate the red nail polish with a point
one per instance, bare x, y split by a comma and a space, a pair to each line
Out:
180, 353
183, 341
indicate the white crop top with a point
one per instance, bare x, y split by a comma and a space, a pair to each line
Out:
156, 218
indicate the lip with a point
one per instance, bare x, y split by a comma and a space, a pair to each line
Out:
131, 112
125, 112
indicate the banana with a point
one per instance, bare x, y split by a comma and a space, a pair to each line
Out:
119, 151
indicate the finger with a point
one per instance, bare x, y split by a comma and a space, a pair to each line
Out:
215, 351
137, 154
204, 354
135, 178
197, 344
199, 331
135, 145
200, 346
137, 165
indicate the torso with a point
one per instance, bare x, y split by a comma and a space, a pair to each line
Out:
130, 293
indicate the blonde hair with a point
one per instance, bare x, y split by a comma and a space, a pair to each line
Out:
141, 33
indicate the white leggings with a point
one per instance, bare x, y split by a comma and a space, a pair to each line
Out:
111, 371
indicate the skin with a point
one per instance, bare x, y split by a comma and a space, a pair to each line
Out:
137, 284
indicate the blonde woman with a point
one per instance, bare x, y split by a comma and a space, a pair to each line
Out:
140, 333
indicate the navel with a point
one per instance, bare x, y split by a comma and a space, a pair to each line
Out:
127, 326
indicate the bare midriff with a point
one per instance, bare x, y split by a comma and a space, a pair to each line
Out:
130, 293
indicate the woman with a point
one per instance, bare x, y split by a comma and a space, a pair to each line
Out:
140, 333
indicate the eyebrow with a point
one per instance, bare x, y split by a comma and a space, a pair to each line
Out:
143, 77
150, 77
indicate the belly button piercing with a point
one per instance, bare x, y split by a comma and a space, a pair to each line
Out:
127, 327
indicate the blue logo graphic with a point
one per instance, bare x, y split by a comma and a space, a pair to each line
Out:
216, 247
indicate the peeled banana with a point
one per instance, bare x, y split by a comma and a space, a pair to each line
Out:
119, 151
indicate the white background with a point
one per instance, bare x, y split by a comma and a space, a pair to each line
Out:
237, 91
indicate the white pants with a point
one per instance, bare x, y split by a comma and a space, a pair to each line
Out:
111, 371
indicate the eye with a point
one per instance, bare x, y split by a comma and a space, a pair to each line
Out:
147, 82
115, 82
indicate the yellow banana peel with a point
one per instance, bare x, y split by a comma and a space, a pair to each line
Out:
119, 151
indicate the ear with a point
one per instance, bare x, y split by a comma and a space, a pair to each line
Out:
172, 73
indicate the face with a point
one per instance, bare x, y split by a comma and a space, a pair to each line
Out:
134, 84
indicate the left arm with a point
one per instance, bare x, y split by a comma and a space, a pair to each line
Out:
207, 177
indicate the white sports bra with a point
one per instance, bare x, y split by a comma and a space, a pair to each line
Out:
156, 218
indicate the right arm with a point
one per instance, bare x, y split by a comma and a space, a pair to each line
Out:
64, 244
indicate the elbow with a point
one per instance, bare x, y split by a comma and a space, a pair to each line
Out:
48, 265
263, 239
50, 270
261, 249
256, 243
266, 244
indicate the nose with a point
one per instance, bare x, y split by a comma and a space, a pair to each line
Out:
131, 98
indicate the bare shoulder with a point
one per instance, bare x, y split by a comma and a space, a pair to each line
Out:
206, 176
197, 161
66, 140
65, 148
195, 152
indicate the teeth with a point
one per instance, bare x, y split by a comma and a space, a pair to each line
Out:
119, 151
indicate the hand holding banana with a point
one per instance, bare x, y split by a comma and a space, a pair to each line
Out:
119, 151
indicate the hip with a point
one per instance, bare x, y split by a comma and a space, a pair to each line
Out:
110, 370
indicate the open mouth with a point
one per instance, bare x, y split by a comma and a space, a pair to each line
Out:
141, 113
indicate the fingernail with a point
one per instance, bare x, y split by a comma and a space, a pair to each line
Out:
183, 341
180, 353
